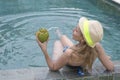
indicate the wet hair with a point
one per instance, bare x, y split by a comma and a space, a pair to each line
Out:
87, 53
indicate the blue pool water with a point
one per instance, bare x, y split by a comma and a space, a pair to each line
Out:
20, 19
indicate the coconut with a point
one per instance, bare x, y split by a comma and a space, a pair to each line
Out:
43, 35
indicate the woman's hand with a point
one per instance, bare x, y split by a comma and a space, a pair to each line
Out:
43, 45
104, 58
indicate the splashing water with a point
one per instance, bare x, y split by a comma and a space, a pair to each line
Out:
57, 31
52, 28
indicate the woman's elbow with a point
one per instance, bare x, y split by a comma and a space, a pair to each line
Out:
54, 68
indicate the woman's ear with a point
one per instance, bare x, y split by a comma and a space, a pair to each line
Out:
83, 40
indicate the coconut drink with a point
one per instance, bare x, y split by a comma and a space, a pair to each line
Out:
43, 35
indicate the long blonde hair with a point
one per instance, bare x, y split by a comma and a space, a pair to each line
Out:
87, 53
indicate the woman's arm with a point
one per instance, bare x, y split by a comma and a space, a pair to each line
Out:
53, 65
57, 64
104, 58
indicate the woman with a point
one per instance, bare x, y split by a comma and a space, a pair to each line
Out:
88, 33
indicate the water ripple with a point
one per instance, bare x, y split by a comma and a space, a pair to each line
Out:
17, 34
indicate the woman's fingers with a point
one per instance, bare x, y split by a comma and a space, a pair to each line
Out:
40, 44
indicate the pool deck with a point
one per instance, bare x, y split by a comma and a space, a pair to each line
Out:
114, 3
117, 1
43, 73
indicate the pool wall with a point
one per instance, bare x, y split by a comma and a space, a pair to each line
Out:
43, 73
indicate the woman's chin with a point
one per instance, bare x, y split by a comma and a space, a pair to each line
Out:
73, 38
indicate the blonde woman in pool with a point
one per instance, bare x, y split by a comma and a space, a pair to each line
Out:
88, 34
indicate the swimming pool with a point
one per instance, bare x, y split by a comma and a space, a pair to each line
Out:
20, 19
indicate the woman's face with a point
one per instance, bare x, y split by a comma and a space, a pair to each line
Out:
77, 34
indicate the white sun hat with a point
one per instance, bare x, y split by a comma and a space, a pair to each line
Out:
92, 31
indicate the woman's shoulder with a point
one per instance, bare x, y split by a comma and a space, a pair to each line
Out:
98, 45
